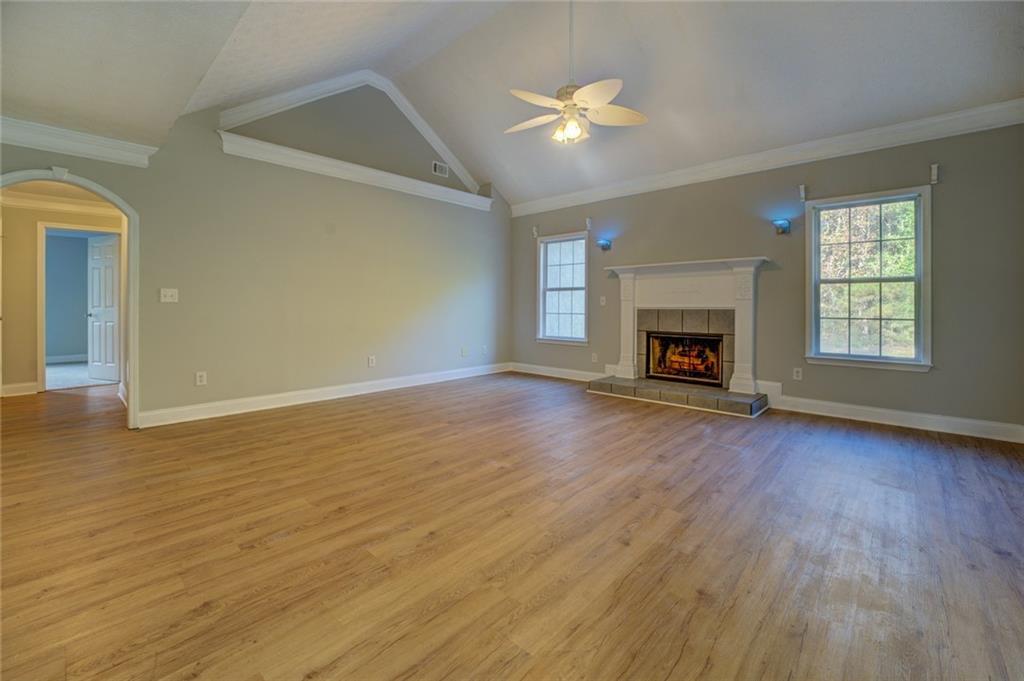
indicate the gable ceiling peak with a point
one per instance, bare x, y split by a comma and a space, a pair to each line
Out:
274, 104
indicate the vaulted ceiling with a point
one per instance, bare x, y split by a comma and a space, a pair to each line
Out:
119, 69
717, 80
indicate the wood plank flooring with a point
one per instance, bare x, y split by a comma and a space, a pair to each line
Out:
503, 527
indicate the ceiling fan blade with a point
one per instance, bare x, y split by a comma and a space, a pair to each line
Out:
534, 122
538, 100
597, 94
613, 114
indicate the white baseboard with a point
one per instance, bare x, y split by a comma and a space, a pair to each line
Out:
555, 372
13, 389
994, 430
66, 359
122, 393
936, 422
208, 410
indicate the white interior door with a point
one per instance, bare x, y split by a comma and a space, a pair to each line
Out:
104, 315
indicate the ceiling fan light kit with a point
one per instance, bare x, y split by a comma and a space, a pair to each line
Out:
577, 106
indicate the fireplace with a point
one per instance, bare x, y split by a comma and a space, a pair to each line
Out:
725, 290
688, 357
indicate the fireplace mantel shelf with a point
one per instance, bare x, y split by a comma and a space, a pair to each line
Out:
723, 265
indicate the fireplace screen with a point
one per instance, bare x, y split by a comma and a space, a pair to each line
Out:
694, 358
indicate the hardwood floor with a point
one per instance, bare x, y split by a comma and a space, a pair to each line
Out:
503, 527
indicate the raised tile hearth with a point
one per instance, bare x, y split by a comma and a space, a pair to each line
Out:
682, 395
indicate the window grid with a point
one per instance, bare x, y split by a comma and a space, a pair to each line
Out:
872, 252
563, 291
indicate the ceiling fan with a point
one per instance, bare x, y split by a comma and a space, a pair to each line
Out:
577, 106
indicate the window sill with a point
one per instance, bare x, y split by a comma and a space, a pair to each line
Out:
559, 341
891, 364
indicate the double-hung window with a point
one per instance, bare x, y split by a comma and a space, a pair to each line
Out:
562, 268
868, 280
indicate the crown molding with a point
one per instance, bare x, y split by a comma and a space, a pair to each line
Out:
268, 106
935, 127
247, 147
11, 199
63, 141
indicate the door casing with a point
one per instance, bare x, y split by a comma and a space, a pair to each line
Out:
41, 228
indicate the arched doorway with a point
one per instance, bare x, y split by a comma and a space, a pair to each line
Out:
131, 344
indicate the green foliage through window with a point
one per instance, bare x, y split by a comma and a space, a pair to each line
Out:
867, 283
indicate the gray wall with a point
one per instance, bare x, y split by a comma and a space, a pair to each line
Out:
359, 126
66, 296
288, 280
977, 243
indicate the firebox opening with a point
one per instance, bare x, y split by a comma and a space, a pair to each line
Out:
688, 357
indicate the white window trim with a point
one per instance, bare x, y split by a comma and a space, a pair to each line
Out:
924, 245
541, 273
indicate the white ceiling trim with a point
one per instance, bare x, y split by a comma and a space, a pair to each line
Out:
10, 199
258, 150
935, 127
268, 106
63, 141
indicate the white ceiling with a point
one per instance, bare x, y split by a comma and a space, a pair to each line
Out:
279, 46
717, 80
119, 69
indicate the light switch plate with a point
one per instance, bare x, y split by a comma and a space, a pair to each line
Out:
168, 295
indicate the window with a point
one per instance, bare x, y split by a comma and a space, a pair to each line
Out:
563, 288
868, 280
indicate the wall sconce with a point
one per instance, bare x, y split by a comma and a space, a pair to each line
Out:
781, 226
604, 244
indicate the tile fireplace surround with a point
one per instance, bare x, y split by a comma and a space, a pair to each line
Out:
691, 296
700, 321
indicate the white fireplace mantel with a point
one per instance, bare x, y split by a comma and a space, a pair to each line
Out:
719, 284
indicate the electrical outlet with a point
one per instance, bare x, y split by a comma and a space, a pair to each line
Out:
604, 301
483, 351
593, 357
200, 378
463, 352
168, 295
371, 361
798, 374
